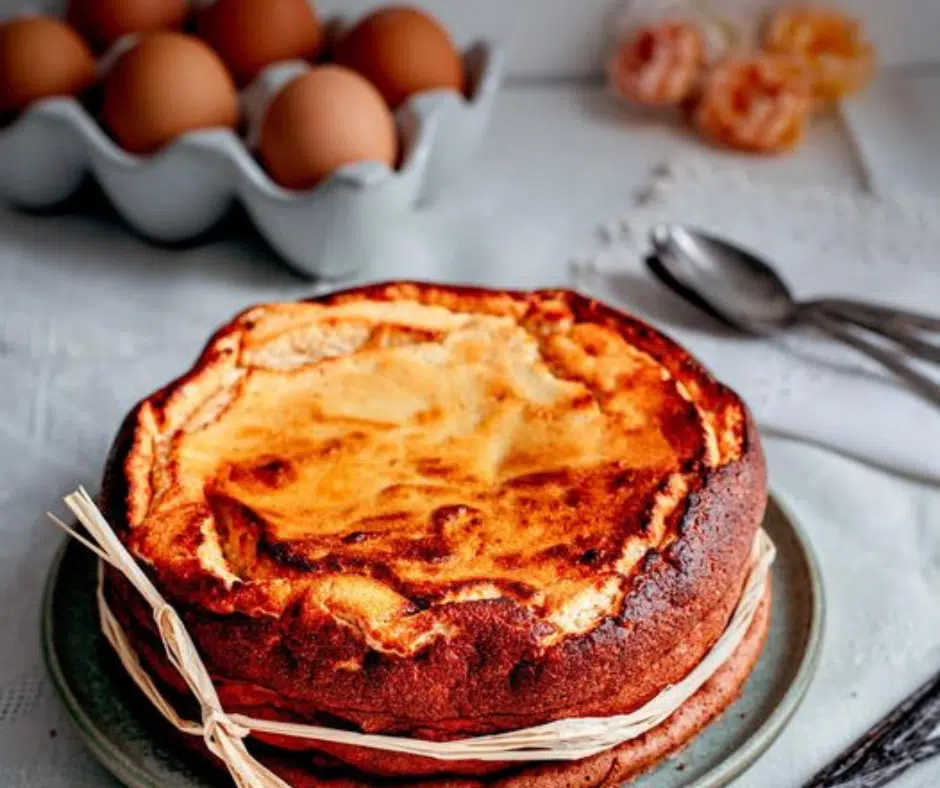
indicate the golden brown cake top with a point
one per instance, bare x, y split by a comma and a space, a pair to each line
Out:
384, 454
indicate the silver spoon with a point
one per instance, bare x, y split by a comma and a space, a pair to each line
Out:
744, 292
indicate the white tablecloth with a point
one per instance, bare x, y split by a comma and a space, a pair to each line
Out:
91, 319
824, 241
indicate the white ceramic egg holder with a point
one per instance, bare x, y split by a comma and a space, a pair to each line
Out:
185, 188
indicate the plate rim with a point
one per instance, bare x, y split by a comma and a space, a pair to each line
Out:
112, 759
736, 764
746, 755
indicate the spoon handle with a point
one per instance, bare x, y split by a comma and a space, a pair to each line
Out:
837, 330
897, 318
888, 329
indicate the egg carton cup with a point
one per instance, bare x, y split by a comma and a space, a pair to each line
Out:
181, 191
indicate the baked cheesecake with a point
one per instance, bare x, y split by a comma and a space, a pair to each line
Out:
436, 512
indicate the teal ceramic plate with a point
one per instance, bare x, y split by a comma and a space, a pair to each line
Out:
123, 733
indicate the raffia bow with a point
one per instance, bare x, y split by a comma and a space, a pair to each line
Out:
224, 734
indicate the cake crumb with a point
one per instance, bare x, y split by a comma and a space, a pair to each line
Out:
680, 767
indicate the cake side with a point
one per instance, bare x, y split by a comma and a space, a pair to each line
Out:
610, 768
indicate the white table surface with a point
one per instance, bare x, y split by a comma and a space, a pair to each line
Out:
562, 39
92, 317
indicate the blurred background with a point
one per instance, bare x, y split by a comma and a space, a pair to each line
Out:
562, 38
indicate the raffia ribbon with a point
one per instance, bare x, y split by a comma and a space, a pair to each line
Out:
224, 734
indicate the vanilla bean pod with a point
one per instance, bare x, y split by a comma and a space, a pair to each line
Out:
882, 773
909, 720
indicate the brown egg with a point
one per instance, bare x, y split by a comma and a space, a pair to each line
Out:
168, 84
321, 121
104, 21
402, 51
250, 34
41, 57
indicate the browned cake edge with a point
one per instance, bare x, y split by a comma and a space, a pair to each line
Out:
611, 768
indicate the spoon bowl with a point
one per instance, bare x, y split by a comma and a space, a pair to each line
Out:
730, 283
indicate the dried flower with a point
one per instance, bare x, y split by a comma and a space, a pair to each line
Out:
838, 55
660, 64
757, 102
